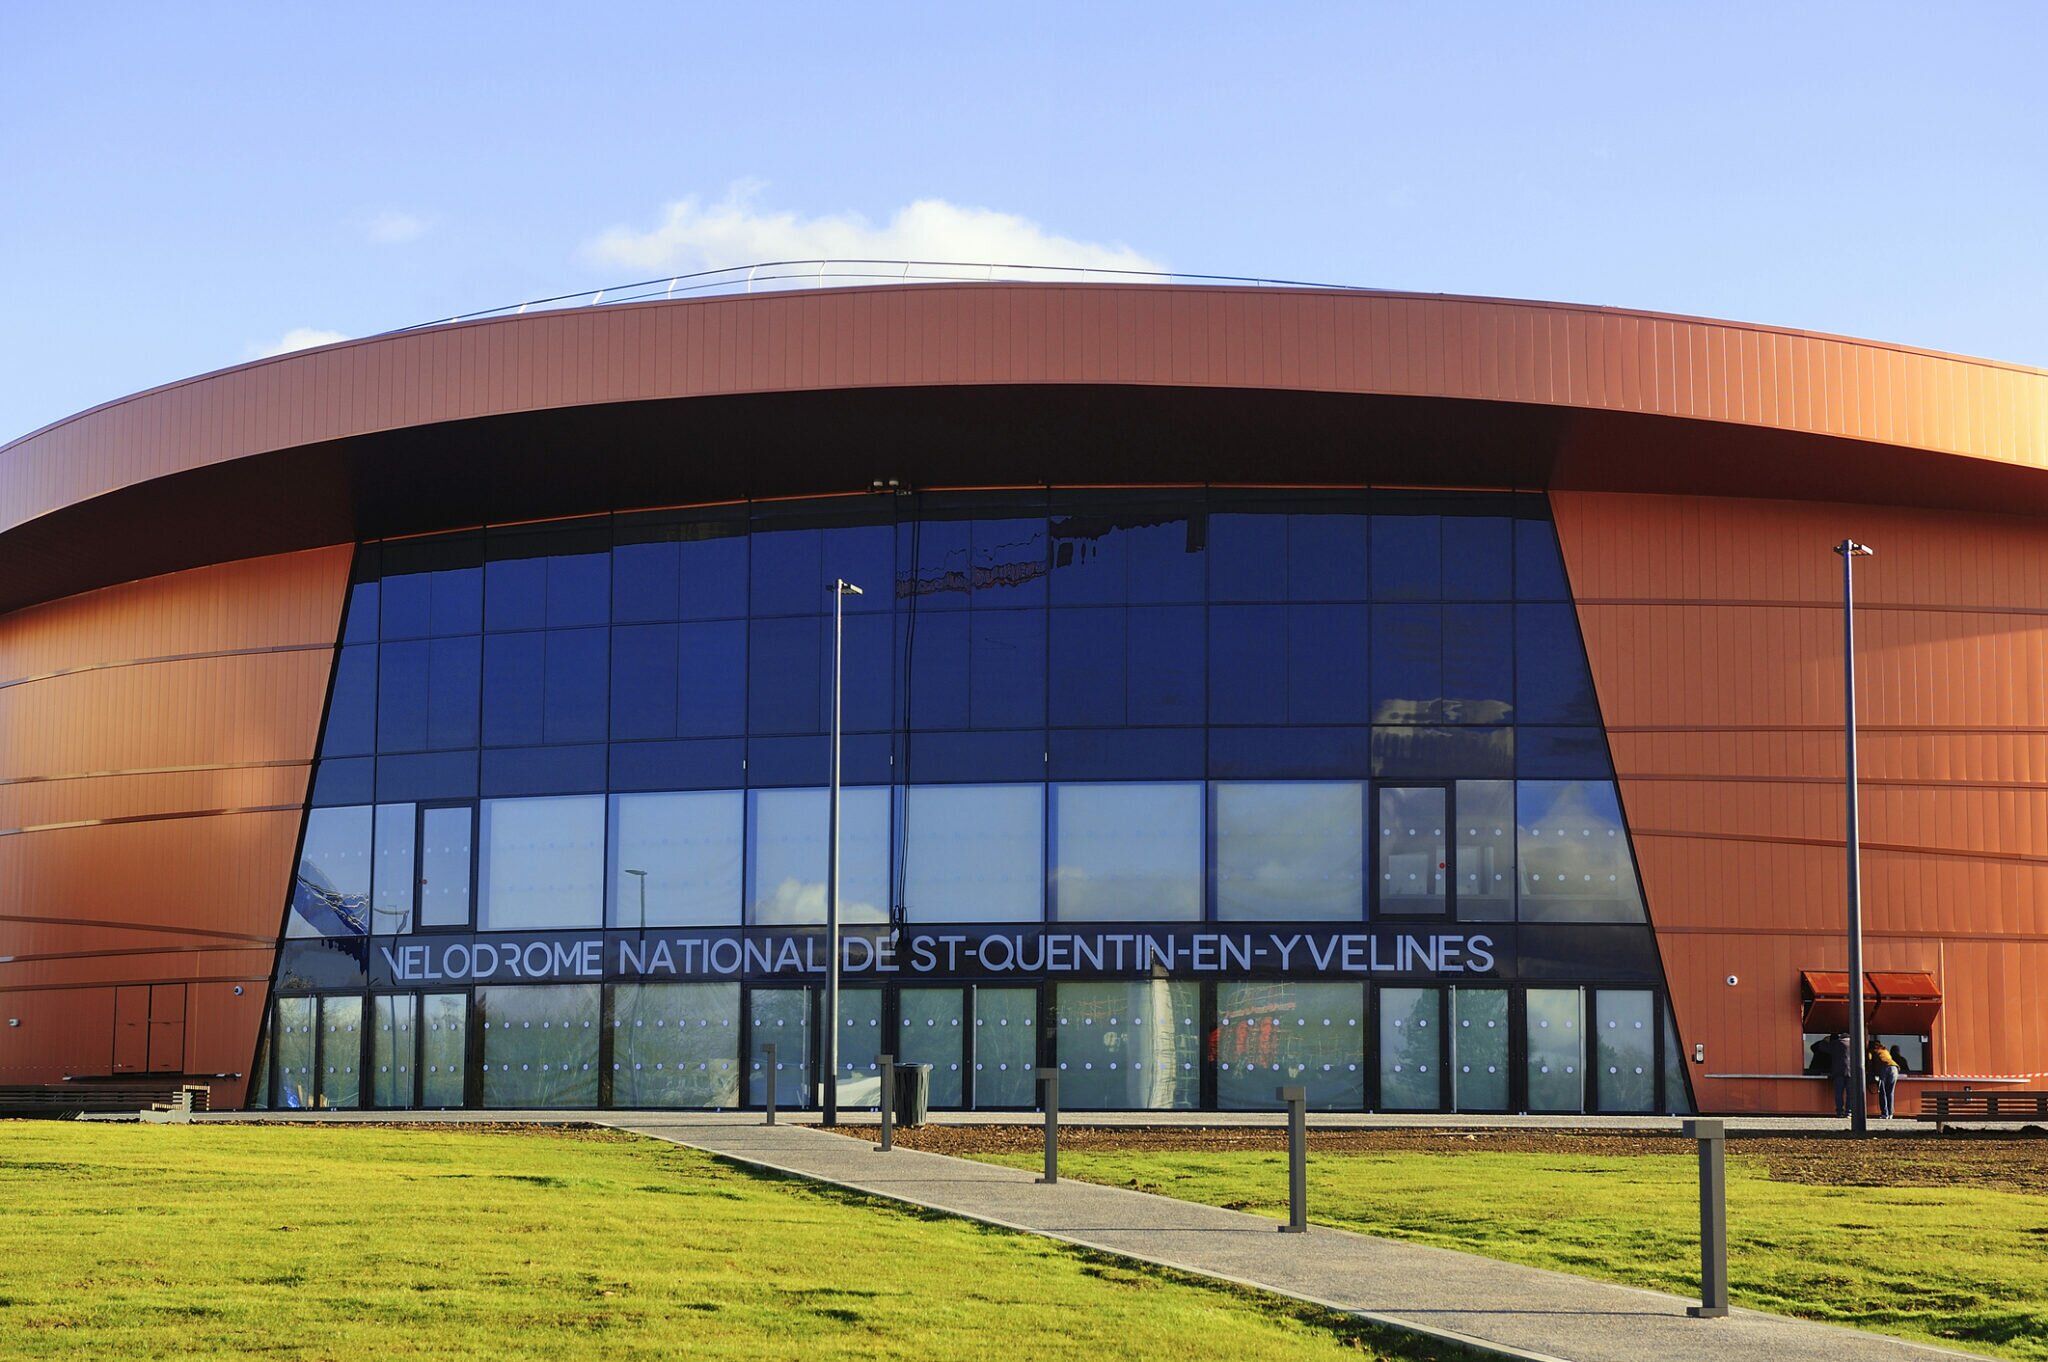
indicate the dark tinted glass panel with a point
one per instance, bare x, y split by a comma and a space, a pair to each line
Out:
1539, 569
1479, 558
1108, 549
352, 714
407, 605
1247, 664
935, 559
578, 680
427, 775
1419, 753
789, 576
1562, 753
1407, 663
402, 697
1164, 664
516, 593
999, 754
714, 575
1087, 680
644, 677
646, 581
543, 770
1407, 558
786, 684
1009, 563
1126, 754
936, 641
1289, 753
1248, 557
711, 700
1552, 683
362, 611
515, 670
1088, 555
1326, 557
458, 601
454, 682
704, 764
1479, 664
579, 589
351, 780
868, 675
1167, 555
1008, 668
1327, 678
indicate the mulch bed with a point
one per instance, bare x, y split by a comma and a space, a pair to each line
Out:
2007, 1162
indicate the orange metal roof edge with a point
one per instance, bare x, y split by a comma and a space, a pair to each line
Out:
1737, 375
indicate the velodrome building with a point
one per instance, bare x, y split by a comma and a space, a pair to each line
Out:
1433, 701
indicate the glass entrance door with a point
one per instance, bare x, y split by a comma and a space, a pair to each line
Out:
931, 1032
1005, 1047
1411, 1049
1479, 1049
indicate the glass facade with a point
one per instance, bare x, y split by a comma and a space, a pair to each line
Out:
1188, 792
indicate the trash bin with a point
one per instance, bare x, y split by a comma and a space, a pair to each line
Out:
913, 1093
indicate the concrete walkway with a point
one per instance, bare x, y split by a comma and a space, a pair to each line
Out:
1497, 1307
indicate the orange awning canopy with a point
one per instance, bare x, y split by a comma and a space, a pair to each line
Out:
1900, 1002
1907, 1003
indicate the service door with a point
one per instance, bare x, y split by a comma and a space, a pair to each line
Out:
131, 1028
167, 1028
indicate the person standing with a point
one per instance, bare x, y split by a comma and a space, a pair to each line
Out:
1885, 1070
1837, 1055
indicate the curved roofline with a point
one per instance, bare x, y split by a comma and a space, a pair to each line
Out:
1578, 396
1327, 290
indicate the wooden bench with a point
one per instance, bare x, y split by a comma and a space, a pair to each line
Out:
1944, 1107
65, 1101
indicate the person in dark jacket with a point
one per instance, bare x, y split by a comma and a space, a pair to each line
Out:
1838, 1070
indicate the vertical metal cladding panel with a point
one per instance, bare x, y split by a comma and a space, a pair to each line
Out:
157, 738
1714, 631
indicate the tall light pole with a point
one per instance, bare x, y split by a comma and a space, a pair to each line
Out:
841, 589
1859, 1102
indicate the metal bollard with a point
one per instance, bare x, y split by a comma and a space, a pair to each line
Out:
1049, 1083
887, 1064
770, 1051
1713, 1138
1297, 1159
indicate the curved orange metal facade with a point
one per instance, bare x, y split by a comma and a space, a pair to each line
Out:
158, 737
158, 732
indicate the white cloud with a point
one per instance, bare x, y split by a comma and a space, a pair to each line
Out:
695, 236
298, 338
394, 228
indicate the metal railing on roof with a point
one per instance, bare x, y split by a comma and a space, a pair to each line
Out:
770, 275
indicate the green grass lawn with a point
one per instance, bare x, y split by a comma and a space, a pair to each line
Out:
1964, 1266
296, 1242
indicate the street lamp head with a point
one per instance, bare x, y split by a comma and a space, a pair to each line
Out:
1849, 548
846, 588
641, 873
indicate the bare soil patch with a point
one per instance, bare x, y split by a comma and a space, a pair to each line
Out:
2004, 1162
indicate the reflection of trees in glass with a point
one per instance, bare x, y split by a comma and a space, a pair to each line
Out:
675, 1045
1134, 1045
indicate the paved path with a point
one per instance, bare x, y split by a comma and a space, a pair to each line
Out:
1502, 1308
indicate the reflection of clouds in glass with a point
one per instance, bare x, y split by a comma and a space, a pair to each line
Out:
973, 853
791, 846
1290, 851
1573, 852
1129, 853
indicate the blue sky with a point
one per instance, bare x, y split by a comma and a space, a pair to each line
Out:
186, 186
